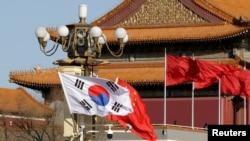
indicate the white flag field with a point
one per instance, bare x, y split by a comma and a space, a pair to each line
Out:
95, 96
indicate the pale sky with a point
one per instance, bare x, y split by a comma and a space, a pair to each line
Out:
20, 19
20, 49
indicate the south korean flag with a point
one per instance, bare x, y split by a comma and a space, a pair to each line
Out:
95, 96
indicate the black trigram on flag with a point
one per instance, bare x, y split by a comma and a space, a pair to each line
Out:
79, 84
116, 107
112, 86
85, 104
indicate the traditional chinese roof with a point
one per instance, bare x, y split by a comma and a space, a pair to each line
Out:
20, 102
204, 32
156, 21
175, 20
36, 77
232, 11
177, 12
136, 73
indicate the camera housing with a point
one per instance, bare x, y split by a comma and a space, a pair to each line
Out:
82, 126
128, 127
110, 134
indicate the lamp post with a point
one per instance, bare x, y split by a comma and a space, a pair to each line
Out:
81, 41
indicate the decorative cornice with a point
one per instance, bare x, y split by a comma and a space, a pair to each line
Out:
174, 33
136, 73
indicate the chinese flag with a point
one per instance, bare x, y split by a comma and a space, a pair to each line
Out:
179, 70
236, 82
138, 120
209, 72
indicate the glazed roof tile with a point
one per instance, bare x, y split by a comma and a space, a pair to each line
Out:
165, 26
38, 77
175, 33
17, 101
227, 10
137, 73
132, 14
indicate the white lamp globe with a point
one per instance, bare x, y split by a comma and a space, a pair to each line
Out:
82, 11
120, 33
125, 39
63, 31
95, 31
47, 37
102, 39
41, 32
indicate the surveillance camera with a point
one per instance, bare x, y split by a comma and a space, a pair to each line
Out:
110, 134
82, 126
128, 127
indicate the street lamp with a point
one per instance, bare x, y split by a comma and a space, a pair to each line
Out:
83, 42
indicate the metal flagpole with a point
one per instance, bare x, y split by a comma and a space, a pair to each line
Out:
245, 103
193, 85
219, 102
245, 110
165, 93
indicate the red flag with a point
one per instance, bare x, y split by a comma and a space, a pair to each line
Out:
185, 69
236, 82
139, 119
230, 83
243, 77
204, 73
208, 73
179, 69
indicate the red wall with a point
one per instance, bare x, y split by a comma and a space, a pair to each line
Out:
179, 111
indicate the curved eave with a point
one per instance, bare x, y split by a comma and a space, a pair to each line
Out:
136, 73
14, 100
180, 33
174, 33
229, 10
141, 73
36, 79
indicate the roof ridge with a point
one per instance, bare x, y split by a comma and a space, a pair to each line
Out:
215, 10
112, 12
201, 11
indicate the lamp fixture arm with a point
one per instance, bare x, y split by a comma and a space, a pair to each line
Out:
115, 54
54, 49
64, 47
99, 50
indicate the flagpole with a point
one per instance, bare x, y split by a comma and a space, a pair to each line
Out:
245, 110
245, 103
219, 102
193, 85
165, 93
75, 126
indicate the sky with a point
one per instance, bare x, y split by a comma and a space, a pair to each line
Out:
19, 46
